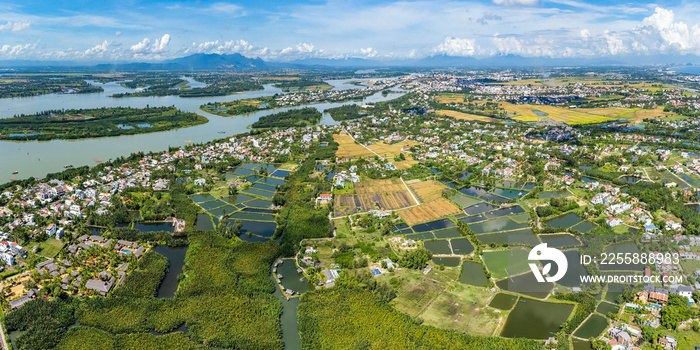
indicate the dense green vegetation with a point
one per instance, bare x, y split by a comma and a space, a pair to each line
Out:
238, 107
44, 322
88, 338
294, 117
299, 218
34, 85
220, 88
225, 299
100, 122
352, 318
346, 112
303, 85
144, 281
586, 305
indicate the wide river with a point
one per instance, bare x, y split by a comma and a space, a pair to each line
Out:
36, 159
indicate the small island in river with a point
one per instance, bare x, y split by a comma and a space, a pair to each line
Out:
99, 122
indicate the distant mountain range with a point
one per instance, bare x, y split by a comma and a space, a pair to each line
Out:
239, 62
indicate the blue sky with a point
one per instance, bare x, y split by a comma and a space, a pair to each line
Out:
133, 30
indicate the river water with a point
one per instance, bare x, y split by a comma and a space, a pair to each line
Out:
36, 159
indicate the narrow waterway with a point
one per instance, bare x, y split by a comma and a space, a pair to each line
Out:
288, 320
176, 261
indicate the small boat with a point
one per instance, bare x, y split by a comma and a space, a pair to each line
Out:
15, 172
68, 166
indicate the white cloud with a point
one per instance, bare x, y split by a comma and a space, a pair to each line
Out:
145, 47
227, 8
117, 33
585, 34
456, 47
368, 52
516, 2
107, 49
14, 51
673, 34
15, 26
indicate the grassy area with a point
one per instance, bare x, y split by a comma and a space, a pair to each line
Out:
440, 300
48, 248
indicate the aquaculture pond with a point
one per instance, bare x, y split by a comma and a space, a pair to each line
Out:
535, 319
438, 247
473, 219
604, 307
592, 328
565, 221
204, 223
472, 191
473, 274
433, 225
575, 271
526, 284
451, 232
582, 344
264, 229
501, 224
512, 194
625, 247
447, 261
176, 261
523, 236
583, 226
503, 301
479, 208
505, 211
494, 198
560, 240
201, 198
461, 246
615, 290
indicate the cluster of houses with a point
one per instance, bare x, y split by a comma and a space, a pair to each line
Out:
121, 246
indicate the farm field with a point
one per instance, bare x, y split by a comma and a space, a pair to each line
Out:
429, 211
375, 186
391, 150
405, 164
450, 98
389, 194
564, 115
347, 147
466, 116
428, 191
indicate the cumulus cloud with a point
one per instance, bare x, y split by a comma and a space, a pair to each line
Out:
677, 35
15, 26
456, 47
108, 49
145, 46
369, 52
516, 2
13, 51
585, 34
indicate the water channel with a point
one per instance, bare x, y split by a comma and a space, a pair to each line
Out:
36, 159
